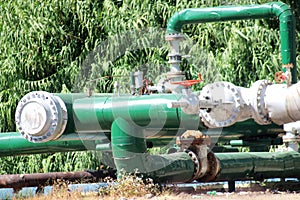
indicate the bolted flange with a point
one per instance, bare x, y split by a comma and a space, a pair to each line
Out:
41, 116
258, 102
227, 100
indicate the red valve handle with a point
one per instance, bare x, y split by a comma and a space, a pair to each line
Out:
187, 83
280, 77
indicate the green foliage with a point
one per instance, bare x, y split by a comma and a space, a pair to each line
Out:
72, 45
42, 44
47, 44
42, 163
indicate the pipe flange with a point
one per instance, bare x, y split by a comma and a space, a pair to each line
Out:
260, 113
227, 99
197, 168
41, 116
175, 58
174, 36
214, 168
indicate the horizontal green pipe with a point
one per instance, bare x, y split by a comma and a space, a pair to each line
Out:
95, 115
259, 165
146, 111
12, 144
257, 142
227, 13
248, 128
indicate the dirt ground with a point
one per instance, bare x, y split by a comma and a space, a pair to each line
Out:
233, 196
218, 196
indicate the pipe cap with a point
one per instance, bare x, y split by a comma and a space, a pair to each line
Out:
41, 116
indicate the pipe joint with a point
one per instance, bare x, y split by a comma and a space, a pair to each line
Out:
280, 8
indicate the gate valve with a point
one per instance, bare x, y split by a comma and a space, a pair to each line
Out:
189, 102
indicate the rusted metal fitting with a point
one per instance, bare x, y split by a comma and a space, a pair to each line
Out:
213, 170
192, 138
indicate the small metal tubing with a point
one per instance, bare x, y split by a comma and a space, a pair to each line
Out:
177, 104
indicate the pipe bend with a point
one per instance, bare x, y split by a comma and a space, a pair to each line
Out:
174, 25
227, 13
280, 8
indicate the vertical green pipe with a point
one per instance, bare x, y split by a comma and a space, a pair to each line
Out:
129, 152
226, 13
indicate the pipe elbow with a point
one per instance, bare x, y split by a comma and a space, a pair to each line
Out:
281, 10
175, 24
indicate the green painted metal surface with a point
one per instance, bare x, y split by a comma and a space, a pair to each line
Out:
146, 111
226, 13
12, 144
239, 166
257, 142
96, 114
129, 152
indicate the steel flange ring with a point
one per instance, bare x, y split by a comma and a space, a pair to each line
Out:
41, 116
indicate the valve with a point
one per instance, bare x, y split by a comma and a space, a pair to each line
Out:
189, 102
195, 144
225, 100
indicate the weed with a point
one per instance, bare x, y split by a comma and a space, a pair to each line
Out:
130, 185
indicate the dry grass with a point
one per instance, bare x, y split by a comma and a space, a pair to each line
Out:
130, 186
133, 187
171, 196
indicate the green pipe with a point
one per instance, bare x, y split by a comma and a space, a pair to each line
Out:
13, 144
103, 147
92, 117
151, 113
226, 13
259, 165
130, 153
146, 111
95, 115
257, 142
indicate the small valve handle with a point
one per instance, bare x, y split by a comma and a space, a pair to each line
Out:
189, 83
280, 77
